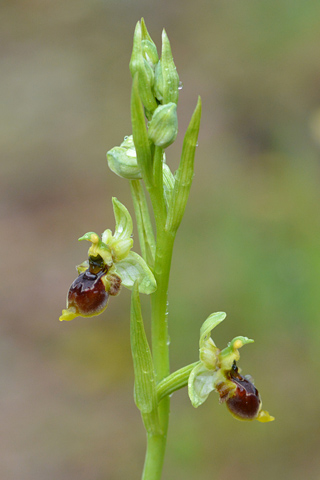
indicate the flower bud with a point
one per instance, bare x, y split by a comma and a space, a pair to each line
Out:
123, 162
158, 82
138, 64
163, 127
149, 51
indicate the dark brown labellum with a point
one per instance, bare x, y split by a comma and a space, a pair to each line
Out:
87, 294
245, 402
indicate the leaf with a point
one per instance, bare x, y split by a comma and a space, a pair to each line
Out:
133, 268
123, 219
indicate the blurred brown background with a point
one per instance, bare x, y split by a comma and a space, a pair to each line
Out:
249, 244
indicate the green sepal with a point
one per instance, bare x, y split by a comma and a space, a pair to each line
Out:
134, 269
209, 324
170, 81
145, 395
185, 172
124, 226
200, 384
140, 134
139, 65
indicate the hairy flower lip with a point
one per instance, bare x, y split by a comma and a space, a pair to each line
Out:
87, 294
244, 402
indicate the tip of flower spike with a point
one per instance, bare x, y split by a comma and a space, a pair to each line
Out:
265, 417
68, 314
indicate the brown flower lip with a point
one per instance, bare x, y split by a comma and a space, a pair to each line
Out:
87, 293
245, 402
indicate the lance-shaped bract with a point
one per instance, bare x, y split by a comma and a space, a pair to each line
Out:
170, 77
185, 172
145, 384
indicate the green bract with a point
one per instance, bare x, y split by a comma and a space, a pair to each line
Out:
170, 77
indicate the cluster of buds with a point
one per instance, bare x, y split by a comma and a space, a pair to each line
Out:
218, 371
158, 82
110, 264
158, 86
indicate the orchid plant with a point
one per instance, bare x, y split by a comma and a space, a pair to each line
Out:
111, 263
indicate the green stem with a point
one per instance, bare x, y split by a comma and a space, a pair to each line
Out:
159, 321
175, 381
160, 352
156, 445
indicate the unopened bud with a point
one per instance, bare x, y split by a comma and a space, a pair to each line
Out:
163, 127
158, 82
123, 162
138, 64
149, 51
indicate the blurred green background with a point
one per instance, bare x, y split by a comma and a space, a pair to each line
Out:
249, 243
